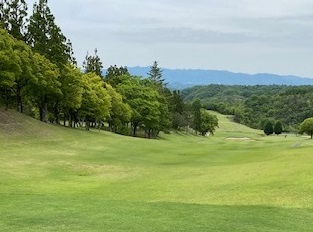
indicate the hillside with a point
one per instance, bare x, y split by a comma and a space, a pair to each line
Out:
252, 105
183, 78
62, 179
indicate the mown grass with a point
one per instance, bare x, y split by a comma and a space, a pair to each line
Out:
60, 179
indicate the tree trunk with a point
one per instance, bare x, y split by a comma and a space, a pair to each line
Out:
70, 118
64, 120
134, 129
87, 124
43, 111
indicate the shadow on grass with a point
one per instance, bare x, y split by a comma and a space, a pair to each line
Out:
95, 213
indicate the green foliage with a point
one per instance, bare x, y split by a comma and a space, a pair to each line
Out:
143, 100
115, 75
13, 17
45, 85
278, 128
179, 111
71, 81
10, 67
72, 91
50, 92
196, 112
43, 79
307, 127
96, 101
209, 122
176, 102
251, 104
9, 60
268, 128
120, 112
45, 37
155, 74
27, 74
92, 63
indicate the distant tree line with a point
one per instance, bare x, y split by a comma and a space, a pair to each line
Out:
255, 105
39, 76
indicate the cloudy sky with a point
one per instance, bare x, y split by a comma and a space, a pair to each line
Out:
250, 36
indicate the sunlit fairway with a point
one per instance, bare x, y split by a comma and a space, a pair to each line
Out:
59, 179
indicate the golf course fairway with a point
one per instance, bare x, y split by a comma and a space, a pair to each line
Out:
54, 178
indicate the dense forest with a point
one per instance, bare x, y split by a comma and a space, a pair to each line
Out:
39, 76
255, 105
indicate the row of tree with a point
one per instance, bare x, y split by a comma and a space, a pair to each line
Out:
269, 128
39, 75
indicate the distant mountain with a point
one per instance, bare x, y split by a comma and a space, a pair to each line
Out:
183, 78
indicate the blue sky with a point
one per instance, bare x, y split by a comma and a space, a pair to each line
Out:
248, 36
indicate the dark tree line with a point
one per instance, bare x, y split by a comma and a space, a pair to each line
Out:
39, 76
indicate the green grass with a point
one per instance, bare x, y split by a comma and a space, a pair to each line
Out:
60, 179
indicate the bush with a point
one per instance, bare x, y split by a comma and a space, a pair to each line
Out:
268, 128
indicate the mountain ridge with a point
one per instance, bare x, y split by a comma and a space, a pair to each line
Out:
184, 78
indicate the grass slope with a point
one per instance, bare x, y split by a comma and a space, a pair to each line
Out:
60, 179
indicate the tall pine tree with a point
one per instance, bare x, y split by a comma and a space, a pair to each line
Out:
155, 74
13, 17
92, 63
45, 37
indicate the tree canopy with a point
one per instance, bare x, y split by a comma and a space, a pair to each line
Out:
307, 127
268, 128
250, 105
278, 128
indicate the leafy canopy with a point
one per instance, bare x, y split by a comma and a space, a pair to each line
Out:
307, 127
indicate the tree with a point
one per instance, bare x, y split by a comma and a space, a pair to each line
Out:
177, 102
179, 121
268, 128
45, 87
96, 101
13, 17
155, 74
177, 108
115, 75
72, 90
208, 122
145, 105
156, 82
307, 127
196, 112
46, 38
93, 64
120, 112
278, 128
9, 65
27, 73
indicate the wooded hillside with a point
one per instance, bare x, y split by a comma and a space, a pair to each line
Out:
253, 105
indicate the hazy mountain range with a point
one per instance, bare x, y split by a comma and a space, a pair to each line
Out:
183, 78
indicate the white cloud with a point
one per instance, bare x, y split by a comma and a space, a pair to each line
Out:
243, 35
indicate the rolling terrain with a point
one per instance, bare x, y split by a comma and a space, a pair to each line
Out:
60, 179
